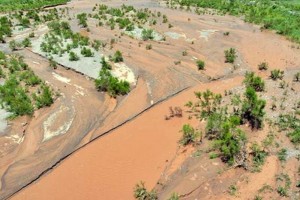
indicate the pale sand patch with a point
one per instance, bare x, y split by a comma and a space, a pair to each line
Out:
123, 72
61, 78
137, 33
89, 66
175, 35
206, 33
3, 122
52, 120
16, 138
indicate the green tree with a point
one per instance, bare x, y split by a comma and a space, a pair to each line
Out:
254, 81
189, 135
253, 108
208, 103
108, 83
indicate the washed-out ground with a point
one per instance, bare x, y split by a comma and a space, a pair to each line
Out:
141, 149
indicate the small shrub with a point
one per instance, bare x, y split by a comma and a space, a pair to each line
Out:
259, 156
282, 191
297, 77
13, 45
26, 42
86, 52
189, 135
282, 154
105, 65
82, 19
200, 64
263, 66
174, 196
230, 55
45, 98
254, 81
73, 56
52, 63
213, 156
148, 47
184, 53
117, 57
165, 19
147, 34
277, 74
30, 78
141, 193
253, 108
232, 190
96, 44
31, 35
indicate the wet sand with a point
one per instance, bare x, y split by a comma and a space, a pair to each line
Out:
109, 167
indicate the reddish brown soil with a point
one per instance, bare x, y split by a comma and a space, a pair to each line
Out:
141, 149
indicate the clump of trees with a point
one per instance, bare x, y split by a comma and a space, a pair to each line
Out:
222, 122
108, 83
15, 98
5, 28
22, 91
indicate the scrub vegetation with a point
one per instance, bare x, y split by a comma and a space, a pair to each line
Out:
23, 91
281, 16
8, 5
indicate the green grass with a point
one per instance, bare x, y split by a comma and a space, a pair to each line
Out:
7, 5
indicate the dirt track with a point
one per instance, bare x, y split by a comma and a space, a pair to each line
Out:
138, 150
